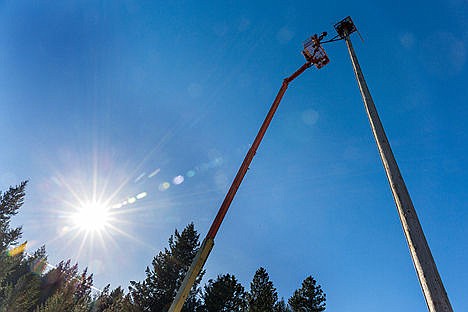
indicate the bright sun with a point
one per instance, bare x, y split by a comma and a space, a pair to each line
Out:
92, 217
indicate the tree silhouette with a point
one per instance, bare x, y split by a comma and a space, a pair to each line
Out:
309, 298
263, 295
156, 292
224, 294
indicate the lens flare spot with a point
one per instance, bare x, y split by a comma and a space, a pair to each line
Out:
190, 173
17, 250
155, 172
131, 200
141, 195
38, 266
141, 176
64, 230
310, 117
117, 206
164, 186
178, 180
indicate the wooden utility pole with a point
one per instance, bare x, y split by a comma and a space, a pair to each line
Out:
429, 278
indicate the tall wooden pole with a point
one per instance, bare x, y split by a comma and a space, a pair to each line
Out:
431, 283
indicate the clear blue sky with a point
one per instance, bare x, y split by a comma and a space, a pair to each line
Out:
100, 95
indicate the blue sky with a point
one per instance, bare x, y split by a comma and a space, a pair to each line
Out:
163, 99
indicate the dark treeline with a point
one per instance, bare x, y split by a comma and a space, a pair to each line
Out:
28, 284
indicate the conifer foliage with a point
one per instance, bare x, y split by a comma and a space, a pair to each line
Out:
309, 298
225, 294
263, 295
10, 202
168, 269
281, 306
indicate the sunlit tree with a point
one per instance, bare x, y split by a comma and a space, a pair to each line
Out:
10, 202
64, 287
12, 281
163, 278
112, 301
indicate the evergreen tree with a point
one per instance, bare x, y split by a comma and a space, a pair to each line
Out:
19, 287
114, 301
83, 285
24, 281
10, 203
263, 295
309, 298
23, 295
63, 289
62, 301
224, 294
157, 291
122, 303
102, 301
56, 279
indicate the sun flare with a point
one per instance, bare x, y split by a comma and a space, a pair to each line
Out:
92, 217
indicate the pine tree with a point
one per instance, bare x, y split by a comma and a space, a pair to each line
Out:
24, 294
24, 282
113, 301
19, 288
156, 292
10, 203
56, 279
63, 289
263, 295
60, 301
309, 298
103, 300
224, 294
122, 303
83, 286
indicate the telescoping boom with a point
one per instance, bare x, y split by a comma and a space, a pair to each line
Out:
315, 55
